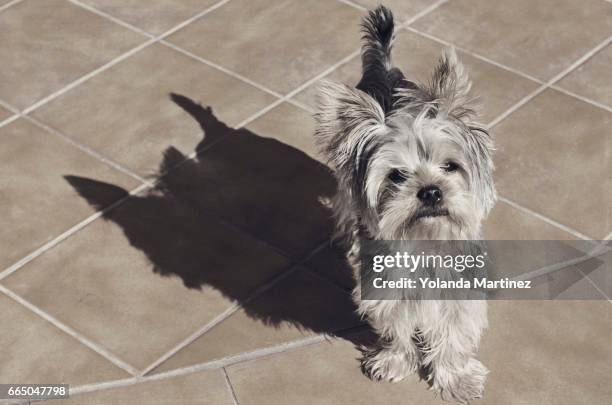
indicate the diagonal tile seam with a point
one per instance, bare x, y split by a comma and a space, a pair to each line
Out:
230, 387
545, 218
293, 268
523, 74
123, 56
70, 331
219, 363
209, 365
67, 234
87, 150
578, 62
9, 4
160, 40
8, 120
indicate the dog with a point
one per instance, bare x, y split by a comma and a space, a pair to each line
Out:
411, 163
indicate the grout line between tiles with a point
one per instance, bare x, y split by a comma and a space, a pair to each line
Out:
209, 365
601, 292
582, 98
221, 68
87, 150
9, 107
68, 330
578, 62
8, 120
516, 106
475, 55
230, 387
86, 77
110, 17
192, 338
544, 218
66, 234
422, 13
293, 268
551, 268
354, 5
152, 39
217, 363
9, 4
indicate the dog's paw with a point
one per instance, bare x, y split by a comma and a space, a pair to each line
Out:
460, 384
388, 365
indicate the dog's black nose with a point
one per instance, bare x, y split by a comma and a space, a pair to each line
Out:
430, 195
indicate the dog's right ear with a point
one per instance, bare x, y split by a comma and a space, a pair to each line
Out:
347, 121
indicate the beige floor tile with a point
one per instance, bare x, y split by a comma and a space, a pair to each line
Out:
548, 352
508, 223
46, 45
416, 55
298, 306
280, 44
290, 125
37, 202
327, 373
540, 38
592, 79
126, 113
155, 16
148, 276
402, 9
35, 351
268, 188
207, 388
558, 147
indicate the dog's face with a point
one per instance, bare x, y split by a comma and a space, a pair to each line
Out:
421, 170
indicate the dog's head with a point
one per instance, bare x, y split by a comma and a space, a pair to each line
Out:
415, 167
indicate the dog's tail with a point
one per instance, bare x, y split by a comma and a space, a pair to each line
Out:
379, 77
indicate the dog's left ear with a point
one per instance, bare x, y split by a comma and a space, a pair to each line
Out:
449, 86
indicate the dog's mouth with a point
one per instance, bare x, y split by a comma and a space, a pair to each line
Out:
430, 212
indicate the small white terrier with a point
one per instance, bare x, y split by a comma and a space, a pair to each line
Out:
411, 164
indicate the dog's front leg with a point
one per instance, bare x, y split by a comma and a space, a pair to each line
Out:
451, 333
396, 355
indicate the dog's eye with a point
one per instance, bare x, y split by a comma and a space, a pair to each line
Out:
450, 167
397, 176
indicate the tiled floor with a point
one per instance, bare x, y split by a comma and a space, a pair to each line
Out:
137, 276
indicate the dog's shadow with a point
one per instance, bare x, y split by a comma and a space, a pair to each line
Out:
205, 220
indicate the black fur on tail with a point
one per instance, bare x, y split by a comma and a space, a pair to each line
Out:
379, 77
